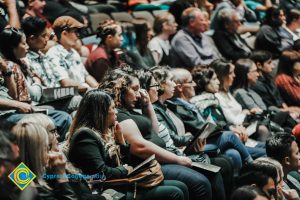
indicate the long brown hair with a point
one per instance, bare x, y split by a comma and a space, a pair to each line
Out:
92, 112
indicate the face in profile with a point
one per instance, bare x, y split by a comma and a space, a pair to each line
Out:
228, 81
37, 5
112, 114
153, 90
188, 87
21, 50
115, 41
267, 67
213, 85
132, 95
252, 75
296, 68
168, 86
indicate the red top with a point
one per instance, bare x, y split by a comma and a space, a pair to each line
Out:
289, 89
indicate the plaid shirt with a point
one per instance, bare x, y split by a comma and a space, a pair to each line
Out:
44, 67
68, 64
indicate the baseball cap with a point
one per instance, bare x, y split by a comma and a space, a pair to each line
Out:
66, 22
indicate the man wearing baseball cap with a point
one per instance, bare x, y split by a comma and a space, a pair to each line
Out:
66, 59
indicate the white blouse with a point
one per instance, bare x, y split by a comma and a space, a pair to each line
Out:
232, 110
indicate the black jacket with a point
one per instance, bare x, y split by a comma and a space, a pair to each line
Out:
191, 122
87, 153
228, 45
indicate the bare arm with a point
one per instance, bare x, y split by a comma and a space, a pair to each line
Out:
91, 81
12, 13
9, 80
143, 148
8, 104
148, 110
71, 83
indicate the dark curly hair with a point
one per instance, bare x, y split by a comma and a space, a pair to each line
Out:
116, 83
202, 78
106, 28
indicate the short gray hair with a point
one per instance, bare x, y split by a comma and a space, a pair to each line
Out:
225, 17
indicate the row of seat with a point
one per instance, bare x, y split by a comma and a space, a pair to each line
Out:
97, 18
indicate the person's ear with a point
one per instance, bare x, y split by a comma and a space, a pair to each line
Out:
109, 38
30, 2
259, 65
179, 87
286, 161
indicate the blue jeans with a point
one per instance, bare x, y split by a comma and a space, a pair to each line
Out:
228, 140
62, 121
198, 185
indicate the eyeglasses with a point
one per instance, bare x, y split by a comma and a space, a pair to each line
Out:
188, 82
155, 85
54, 132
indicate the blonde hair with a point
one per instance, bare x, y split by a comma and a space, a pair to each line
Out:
38, 118
32, 140
271, 161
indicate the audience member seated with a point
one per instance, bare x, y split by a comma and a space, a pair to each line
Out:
292, 25
140, 54
231, 109
247, 72
209, 106
9, 14
67, 61
9, 156
178, 6
282, 193
289, 4
15, 92
140, 131
164, 27
229, 42
37, 158
37, 38
265, 85
105, 57
283, 148
176, 130
290, 29
48, 125
239, 6
259, 7
269, 36
190, 47
248, 192
36, 8
262, 175
287, 79
94, 149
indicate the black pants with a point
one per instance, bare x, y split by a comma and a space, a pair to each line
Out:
226, 171
198, 185
168, 189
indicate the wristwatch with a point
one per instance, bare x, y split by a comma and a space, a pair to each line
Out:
7, 73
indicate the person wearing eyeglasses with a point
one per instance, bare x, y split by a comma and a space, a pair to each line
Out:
67, 61
37, 38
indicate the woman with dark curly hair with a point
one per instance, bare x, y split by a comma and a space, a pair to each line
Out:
96, 145
105, 57
140, 131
